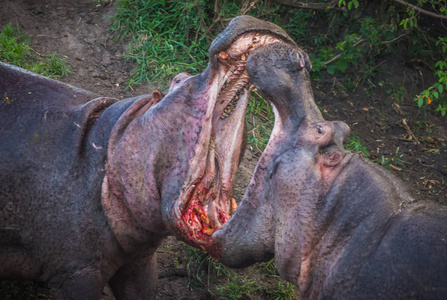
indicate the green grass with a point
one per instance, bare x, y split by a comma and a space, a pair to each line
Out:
200, 266
16, 49
282, 291
165, 37
260, 120
238, 287
261, 280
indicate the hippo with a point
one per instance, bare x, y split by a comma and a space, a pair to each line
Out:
91, 185
338, 225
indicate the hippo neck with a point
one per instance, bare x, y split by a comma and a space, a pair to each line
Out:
360, 198
125, 154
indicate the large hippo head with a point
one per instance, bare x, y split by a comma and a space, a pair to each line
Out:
338, 225
179, 160
302, 158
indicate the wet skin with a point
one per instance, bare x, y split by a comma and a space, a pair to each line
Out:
338, 225
91, 185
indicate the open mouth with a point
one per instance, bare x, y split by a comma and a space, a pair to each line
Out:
207, 200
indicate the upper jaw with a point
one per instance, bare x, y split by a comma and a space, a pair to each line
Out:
242, 25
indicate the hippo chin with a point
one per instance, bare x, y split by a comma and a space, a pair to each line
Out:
339, 226
90, 185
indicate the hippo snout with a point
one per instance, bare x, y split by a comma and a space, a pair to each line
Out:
342, 132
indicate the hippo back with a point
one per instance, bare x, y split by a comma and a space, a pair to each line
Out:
52, 161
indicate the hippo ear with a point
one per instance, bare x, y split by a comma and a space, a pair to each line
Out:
332, 158
157, 96
335, 152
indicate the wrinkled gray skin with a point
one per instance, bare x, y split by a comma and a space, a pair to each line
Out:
88, 188
339, 226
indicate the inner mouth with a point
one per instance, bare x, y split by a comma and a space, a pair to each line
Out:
233, 67
207, 202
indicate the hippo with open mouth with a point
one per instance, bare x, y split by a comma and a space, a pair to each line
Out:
338, 225
90, 185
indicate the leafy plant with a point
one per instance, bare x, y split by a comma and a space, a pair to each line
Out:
355, 51
397, 94
436, 93
175, 262
393, 162
354, 144
436, 9
350, 4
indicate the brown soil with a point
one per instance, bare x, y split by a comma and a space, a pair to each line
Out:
79, 31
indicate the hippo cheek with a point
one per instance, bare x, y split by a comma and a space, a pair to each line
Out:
206, 200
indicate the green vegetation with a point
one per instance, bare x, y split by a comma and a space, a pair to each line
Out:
201, 266
436, 54
169, 37
437, 92
238, 287
355, 145
283, 291
15, 48
393, 162
232, 285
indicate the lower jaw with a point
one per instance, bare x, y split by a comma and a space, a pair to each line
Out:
195, 225
192, 220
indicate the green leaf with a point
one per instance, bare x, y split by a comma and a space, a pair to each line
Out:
331, 69
341, 64
420, 102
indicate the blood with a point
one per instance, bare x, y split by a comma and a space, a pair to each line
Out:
194, 221
198, 228
222, 216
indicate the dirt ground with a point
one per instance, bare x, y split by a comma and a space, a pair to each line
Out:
79, 31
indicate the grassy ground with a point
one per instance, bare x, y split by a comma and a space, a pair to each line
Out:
16, 49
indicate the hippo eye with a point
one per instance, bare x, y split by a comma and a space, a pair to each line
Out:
177, 81
320, 129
